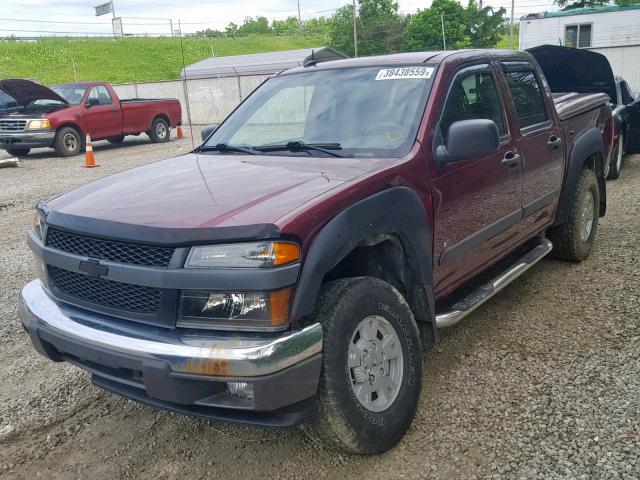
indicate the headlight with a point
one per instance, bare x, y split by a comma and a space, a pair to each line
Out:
40, 124
39, 226
243, 255
235, 310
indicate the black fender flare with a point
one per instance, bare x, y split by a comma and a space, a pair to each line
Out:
588, 144
396, 211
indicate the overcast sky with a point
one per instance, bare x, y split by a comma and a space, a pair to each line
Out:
33, 17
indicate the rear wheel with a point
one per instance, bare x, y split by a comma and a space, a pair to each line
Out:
617, 160
18, 152
160, 131
371, 368
67, 142
573, 240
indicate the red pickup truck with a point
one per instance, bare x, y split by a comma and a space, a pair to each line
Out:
61, 116
296, 266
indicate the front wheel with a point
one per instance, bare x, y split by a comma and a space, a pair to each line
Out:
160, 131
67, 142
371, 368
573, 240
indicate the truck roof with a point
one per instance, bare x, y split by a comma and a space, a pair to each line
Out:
413, 58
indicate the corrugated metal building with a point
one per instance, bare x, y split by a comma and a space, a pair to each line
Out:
257, 63
613, 31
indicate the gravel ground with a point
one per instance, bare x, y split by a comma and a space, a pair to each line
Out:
541, 382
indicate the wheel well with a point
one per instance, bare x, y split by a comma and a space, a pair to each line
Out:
162, 116
384, 256
74, 126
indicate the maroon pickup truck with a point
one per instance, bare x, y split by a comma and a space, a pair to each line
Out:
61, 117
296, 266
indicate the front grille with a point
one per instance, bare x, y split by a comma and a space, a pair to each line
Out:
109, 250
8, 125
106, 293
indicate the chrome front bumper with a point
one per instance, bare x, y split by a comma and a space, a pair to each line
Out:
202, 354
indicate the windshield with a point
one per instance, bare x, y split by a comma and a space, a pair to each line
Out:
7, 101
71, 93
372, 111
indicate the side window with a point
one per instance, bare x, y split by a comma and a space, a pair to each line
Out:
102, 94
472, 96
527, 98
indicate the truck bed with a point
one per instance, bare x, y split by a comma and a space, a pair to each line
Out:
571, 104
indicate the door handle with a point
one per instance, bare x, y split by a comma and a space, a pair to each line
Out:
511, 159
115, 110
554, 142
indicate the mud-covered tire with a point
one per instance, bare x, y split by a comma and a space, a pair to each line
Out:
18, 152
160, 131
116, 140
617, 159
570, 239
68, 142
341, 419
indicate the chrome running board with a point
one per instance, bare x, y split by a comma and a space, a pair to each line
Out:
472, 301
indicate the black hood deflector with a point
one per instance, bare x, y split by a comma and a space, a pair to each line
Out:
575, 70
26, 91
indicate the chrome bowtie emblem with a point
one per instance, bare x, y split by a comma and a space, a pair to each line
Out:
93, 268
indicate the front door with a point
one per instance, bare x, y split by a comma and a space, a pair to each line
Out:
539, 144
477, 202
102, 115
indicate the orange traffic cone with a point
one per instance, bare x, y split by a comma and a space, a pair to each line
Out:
89, 161
180, 133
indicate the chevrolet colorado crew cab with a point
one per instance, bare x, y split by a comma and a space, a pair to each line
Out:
61, 117
295, 267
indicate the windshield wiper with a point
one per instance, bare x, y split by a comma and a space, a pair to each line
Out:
299, 146
223, 147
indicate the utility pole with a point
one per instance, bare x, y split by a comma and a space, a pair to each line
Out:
444, 39
511, 26
299, 17
480, 4
355, 31
171, 26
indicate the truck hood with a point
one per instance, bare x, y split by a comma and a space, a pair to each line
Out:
575, 70
26, 91
205, 191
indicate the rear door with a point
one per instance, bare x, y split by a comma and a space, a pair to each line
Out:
539, 143
102, 114
477, 202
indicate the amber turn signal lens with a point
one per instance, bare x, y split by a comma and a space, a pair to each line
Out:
285, 253
279, 306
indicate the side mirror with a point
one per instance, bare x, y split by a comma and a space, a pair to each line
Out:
92, 102
469, 139
208, 130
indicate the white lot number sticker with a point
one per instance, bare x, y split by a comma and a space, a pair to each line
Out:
404, 72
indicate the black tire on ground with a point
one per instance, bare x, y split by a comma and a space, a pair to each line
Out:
160, 131
18, 152
68, 142
116, 140
341, 419
573, 240
617, 159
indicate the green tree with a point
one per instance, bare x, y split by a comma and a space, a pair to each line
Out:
571, 4
380, 28
463, 27
485, 25
424, 32
285, 27
257, 26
